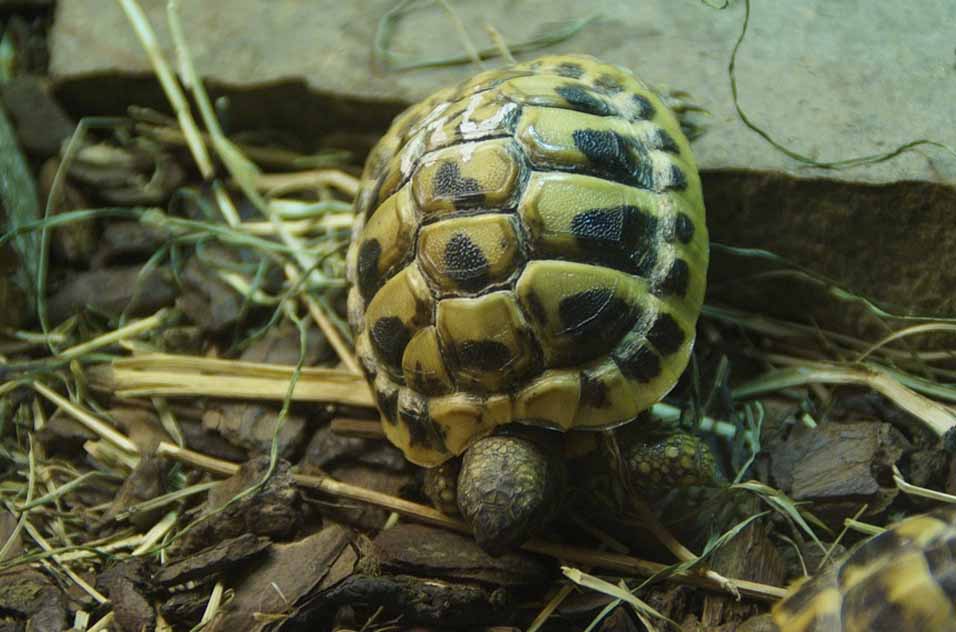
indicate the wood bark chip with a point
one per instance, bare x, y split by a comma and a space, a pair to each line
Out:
113, 290
841, 467
412, 549
273, 510
29, 594
283, 580
127, 584
210, 562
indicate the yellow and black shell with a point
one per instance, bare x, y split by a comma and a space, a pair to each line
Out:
902, 579
528, 246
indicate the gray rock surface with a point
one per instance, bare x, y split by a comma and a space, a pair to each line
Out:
829, 80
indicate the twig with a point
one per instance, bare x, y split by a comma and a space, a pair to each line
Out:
86, 418
179, 378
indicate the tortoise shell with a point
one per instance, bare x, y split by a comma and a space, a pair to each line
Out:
529, 246
902, 579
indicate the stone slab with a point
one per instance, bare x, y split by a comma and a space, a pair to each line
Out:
830, 80
833, 80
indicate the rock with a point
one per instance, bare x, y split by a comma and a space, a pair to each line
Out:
891, 243
620, 620
185, 608
207, 442
926, 468
134, 174
123, 240
806, 557
141, 425
377, 479
280, 345
866, 78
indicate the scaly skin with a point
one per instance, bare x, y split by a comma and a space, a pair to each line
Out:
667, 462
508, 485
441, 486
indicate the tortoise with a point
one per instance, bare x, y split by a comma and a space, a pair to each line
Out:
529, 252
902, 579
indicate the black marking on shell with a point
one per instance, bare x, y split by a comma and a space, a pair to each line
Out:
613, 156
536, 307
583, 100
508, 123
465, 263
665, 142
941, 562
422, 431
375, 196
569, 69
666, 335
800, 600
593, 391
369, 280
608, 84
388, 405
677, 279
483, 355
637, 362
425, 382
621, 237
684, 228
644, 261
883, 545
677, 180
645, 111
891, 615
389, 337
464, 192
594, 315
942, 566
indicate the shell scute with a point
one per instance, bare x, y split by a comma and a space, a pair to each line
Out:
467, 254
468, 176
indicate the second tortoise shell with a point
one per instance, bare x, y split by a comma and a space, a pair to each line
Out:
528, 246
902, 579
